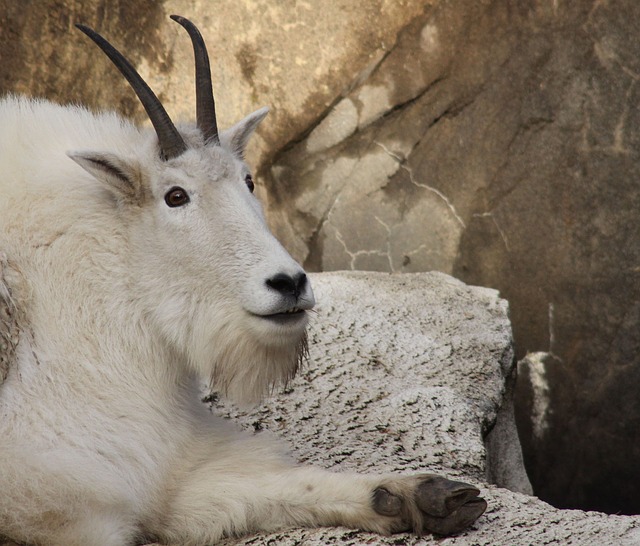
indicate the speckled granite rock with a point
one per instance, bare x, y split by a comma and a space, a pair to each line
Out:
407, 373
512, 519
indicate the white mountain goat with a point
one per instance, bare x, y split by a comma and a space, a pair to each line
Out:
133, 263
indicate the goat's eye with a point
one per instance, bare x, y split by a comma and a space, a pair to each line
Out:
176, 197
249, 182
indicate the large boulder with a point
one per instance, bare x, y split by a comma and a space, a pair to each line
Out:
407, 373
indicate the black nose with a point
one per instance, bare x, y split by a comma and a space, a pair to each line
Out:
288, 285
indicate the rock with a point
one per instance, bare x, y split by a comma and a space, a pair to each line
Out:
407, 374
498, 142
512, 519
505, 465
293, 58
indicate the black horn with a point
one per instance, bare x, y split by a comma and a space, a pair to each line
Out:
205, 104
171, 142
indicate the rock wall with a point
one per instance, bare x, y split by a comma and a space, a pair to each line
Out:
496, 140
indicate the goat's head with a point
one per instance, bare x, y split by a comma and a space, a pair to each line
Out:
222, 291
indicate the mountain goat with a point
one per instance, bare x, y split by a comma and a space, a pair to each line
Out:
133, 263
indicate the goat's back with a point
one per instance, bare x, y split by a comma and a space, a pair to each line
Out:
35, 136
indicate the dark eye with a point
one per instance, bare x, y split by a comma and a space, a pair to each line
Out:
249, 182
176, 197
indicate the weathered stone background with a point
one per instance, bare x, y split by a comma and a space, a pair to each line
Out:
495, 140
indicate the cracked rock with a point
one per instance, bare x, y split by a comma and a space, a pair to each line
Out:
500, 142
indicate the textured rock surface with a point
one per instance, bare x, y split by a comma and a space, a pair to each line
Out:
512, 519
292, 56
406, 374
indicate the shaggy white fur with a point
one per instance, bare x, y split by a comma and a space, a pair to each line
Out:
124, 303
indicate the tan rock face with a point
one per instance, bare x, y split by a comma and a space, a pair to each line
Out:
293, 56
498, 141
495, 140
375, 155
44, 56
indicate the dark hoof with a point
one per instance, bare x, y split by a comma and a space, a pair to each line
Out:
457, 521
428, 503
386, 504
439, 497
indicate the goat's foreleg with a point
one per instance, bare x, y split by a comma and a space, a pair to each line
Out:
247, 496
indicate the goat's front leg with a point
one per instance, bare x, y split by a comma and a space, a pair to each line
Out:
243, 496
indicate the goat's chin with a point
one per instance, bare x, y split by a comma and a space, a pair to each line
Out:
249, 356
249, 371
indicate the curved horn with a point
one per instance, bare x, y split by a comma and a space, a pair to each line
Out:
205, 104
171, 142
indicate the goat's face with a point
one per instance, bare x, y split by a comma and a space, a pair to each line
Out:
218, 285
205, 218
202, 263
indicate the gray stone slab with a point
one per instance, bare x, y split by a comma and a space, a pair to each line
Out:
407, 373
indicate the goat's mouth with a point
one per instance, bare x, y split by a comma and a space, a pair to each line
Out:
283, 326
290, 315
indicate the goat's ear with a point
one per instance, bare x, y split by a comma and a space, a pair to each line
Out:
235, 138
121, 177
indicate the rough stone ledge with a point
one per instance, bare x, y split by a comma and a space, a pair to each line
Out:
512, 519
407, 373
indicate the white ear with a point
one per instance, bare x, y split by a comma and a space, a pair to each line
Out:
235, 138
122, 178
